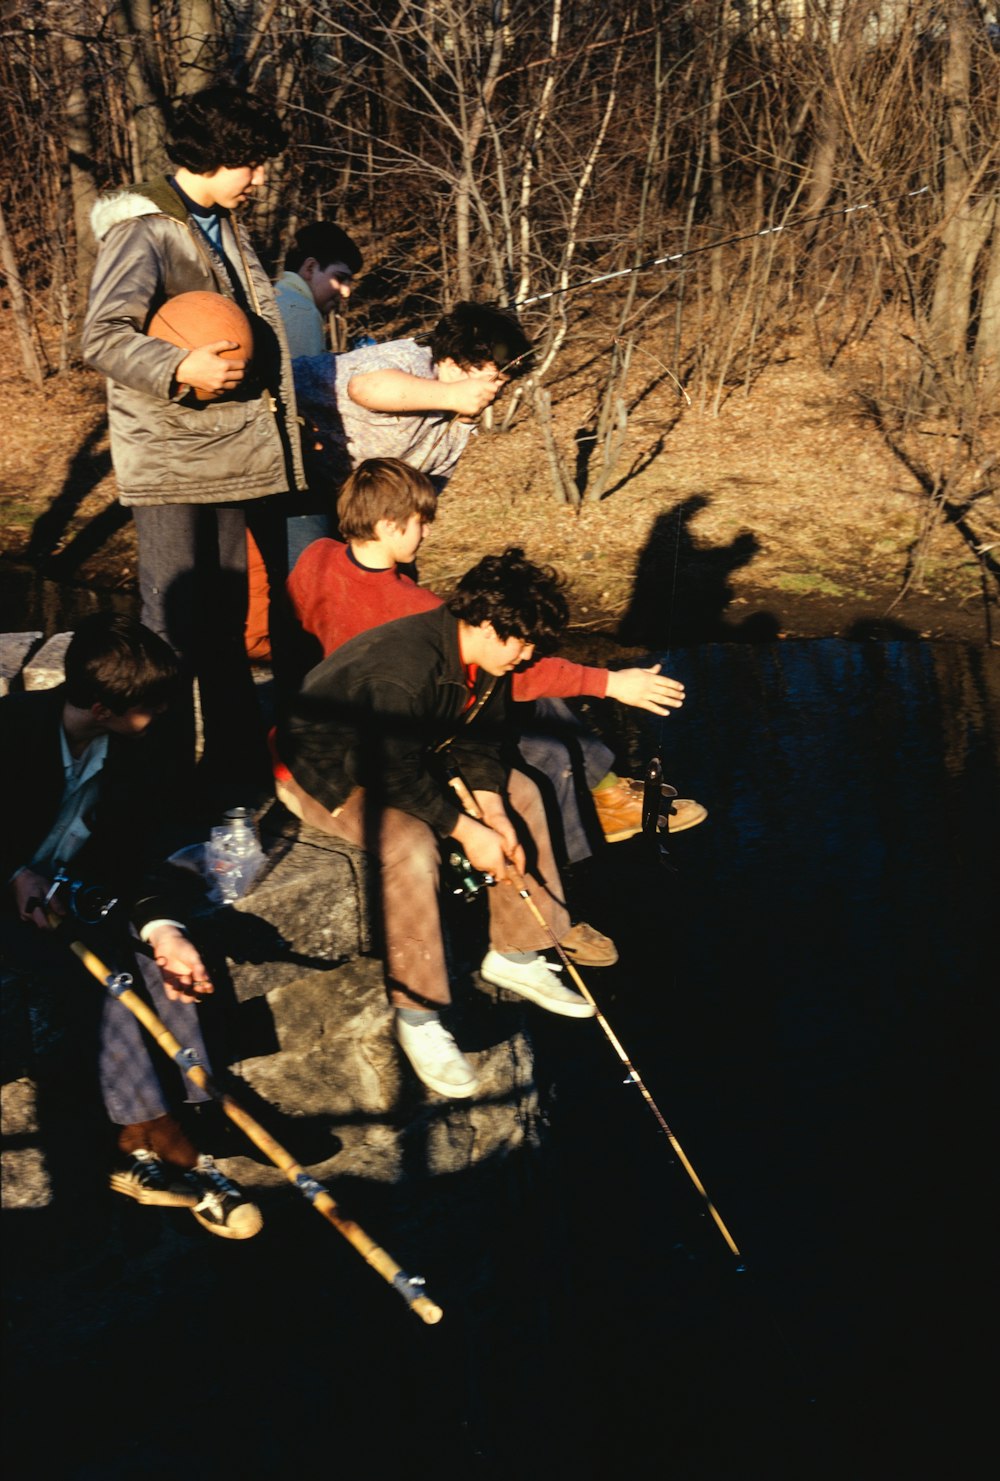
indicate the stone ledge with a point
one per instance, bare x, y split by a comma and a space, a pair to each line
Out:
46, 668
15, 651
309, 911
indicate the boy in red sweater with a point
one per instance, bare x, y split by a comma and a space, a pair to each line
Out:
338, 591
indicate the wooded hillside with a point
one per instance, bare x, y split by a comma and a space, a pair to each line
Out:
734, 175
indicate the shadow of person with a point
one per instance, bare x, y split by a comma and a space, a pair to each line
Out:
681, 588
202, 621
90, 463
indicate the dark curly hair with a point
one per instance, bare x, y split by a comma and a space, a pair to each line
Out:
223, 126
327, 242
115, 661
520, 599
474, 333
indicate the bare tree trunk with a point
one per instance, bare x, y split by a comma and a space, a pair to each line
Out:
843, 53
198, 52
716, 178
81, 155
986, 356
133, 23
967, 223
473, 122
19, 304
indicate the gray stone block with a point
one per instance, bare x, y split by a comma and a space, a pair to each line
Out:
309, 911
338, 1061
313, 1039
15, 650
44, 670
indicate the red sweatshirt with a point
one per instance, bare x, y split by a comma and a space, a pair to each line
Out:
335, 599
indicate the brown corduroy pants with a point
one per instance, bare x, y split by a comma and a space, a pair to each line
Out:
409, 856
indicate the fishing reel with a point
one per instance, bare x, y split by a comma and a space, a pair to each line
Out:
89, 903
655, 827
468, 881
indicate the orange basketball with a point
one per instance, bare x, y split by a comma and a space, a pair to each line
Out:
193, 319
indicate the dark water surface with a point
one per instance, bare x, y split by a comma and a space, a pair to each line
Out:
818, 1041
806, 999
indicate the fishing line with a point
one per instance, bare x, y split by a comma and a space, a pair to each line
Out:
746, 236
672, 257
464, 793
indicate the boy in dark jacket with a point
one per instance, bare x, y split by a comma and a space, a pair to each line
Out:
367, 744
93, 785
197, 472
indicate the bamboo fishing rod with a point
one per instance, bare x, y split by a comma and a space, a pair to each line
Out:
517, 881
409, 1287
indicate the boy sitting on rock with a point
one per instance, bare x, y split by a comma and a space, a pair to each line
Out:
89, 787
366, 745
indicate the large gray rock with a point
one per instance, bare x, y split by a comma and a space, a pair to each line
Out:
311, 1039
310, 910
45, 669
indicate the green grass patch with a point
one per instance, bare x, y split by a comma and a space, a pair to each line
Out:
804, 583
18, 516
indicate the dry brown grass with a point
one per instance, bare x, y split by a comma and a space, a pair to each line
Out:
790, 502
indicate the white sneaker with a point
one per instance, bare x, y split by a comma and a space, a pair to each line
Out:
436, 1057
537, 980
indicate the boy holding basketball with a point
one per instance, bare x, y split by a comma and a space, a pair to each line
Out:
198, 470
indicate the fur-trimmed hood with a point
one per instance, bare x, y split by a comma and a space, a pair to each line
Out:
154, 197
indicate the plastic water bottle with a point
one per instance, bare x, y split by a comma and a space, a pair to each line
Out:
235, 857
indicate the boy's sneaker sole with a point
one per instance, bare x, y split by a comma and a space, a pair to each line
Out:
220, 1205
243, 1222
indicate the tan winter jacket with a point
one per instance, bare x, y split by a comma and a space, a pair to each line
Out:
167, 450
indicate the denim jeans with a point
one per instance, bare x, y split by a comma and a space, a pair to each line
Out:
557, 748
137, 1080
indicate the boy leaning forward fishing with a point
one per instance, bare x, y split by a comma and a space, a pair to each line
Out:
368, 751
340, 590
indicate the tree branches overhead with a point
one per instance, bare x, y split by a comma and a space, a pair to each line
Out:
507, 148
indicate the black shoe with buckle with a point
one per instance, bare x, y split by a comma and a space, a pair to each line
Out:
220, 1205
148, 1180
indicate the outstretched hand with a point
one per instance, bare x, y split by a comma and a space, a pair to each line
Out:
645, 689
